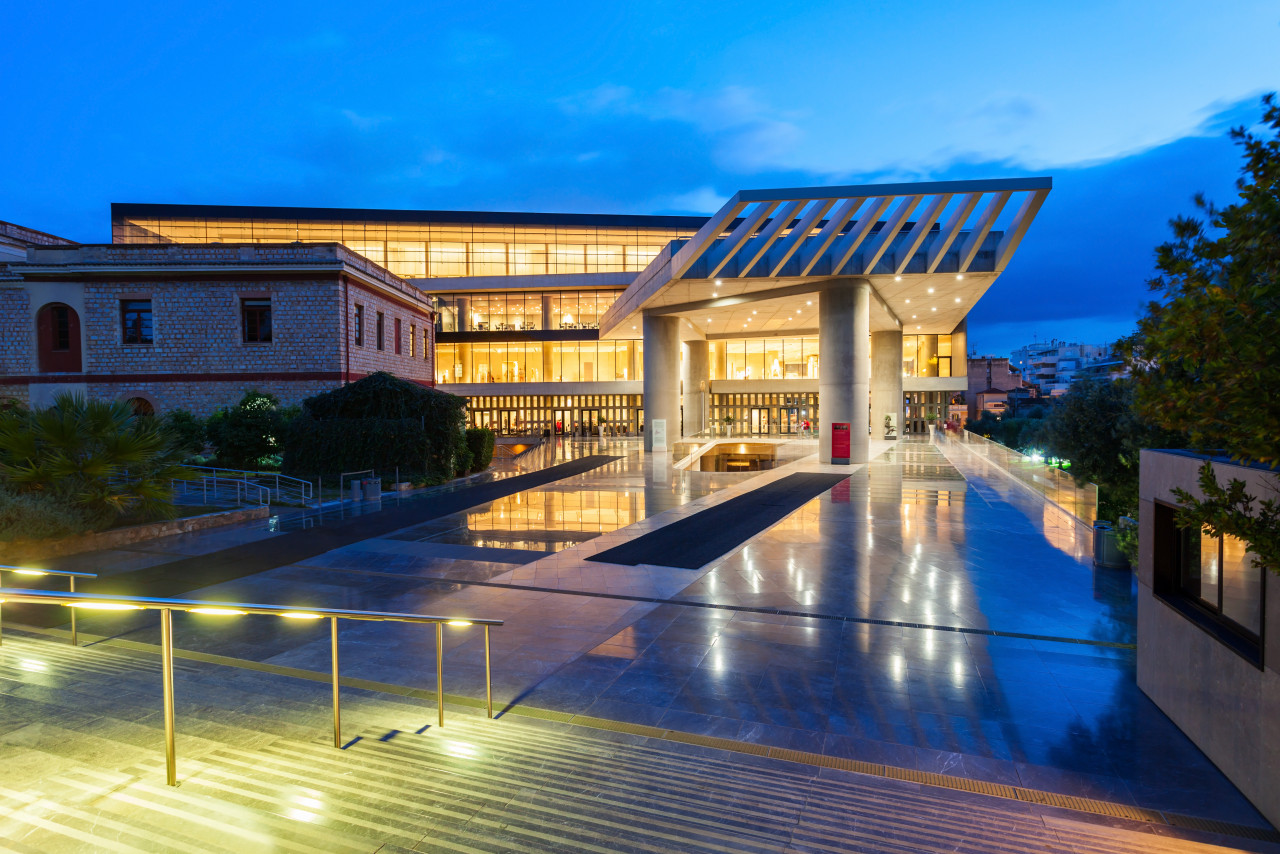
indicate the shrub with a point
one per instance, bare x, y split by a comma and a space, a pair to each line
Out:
94, 456
379, 422
480, 442
38, 516
186, 432
247, 435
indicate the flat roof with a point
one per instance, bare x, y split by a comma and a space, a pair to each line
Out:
140, 210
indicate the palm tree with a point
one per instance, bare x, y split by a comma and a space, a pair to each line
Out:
95, 455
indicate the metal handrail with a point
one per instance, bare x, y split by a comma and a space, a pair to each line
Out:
166, 607
203, 483
304, 487
36, 571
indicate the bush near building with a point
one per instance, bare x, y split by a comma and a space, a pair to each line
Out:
480, 441
380, 422
83, 465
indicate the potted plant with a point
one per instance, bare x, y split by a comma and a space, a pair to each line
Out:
932, 418
728, 425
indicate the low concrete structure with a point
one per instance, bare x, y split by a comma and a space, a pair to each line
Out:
1211, 669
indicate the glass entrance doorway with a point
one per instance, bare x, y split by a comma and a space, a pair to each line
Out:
759, 422
590, 421
562, 423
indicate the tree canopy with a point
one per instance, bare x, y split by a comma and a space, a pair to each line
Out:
1206, 355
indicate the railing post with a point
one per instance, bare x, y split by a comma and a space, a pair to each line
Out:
440, 670
72, 579
337, 709
166, 666
488, 675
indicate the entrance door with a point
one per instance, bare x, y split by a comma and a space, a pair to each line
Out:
759, 422
590, 421
562, 421
506, 419
790, 420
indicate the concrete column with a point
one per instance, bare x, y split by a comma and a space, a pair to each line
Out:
844, 369
464, 314
547, 314
886, 380
464, 356
661, 377
722, 361
927, 355
696, 382
632, 373
548, 362
860, 441
835, 363
960, 349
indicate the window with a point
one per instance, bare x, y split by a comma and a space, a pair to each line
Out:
1213, 581
141, 407
359, 325
397, 334
413, 339
135, 321
256, 314
378, 327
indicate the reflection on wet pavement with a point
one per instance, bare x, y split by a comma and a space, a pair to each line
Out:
888, 564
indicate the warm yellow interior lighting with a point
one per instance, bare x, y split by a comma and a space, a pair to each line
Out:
458, 623
29, 571
300, 615
104, 606
223, 612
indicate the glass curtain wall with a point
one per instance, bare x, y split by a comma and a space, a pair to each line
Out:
423, 250
539, 361
525, 310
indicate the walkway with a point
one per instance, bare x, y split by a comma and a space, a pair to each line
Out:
925, 613
83, 772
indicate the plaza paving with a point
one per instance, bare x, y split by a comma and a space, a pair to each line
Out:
926, 613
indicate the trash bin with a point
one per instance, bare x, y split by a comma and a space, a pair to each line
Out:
372, 489
356, 490
1106, 547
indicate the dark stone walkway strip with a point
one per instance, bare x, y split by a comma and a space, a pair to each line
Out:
180, 576
742, 609
696, 540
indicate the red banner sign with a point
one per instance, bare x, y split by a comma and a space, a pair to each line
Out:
840, 443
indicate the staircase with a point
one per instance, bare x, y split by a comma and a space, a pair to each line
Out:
83, 770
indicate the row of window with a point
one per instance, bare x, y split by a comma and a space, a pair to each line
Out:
138, 327
507, 311
397, 337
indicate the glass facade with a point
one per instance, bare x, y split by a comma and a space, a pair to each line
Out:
539, 362
523, 310
766, 414
926, 355
558, 414
425, 250
764, 358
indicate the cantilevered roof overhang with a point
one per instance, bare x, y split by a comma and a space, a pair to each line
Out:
929, 250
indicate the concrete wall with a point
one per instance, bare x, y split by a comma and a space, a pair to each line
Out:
1224, 703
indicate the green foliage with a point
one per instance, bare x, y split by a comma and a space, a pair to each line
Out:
247, 435
480, 441
1021, 434
93, 456
39, 516
1230, 510
1204, 358
379, 422
186, 432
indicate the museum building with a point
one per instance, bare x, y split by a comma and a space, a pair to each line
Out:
786, 311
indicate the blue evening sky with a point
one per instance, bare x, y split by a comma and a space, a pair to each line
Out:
657, 107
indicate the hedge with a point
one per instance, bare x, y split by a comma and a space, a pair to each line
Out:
380, 422
480, 441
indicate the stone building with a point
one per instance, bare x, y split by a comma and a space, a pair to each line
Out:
194, 326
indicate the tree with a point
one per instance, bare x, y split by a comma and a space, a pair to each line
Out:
1096, 427
247, 435
1204, 360
93, 455
185, 430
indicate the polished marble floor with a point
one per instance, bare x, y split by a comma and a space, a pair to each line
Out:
834, 631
